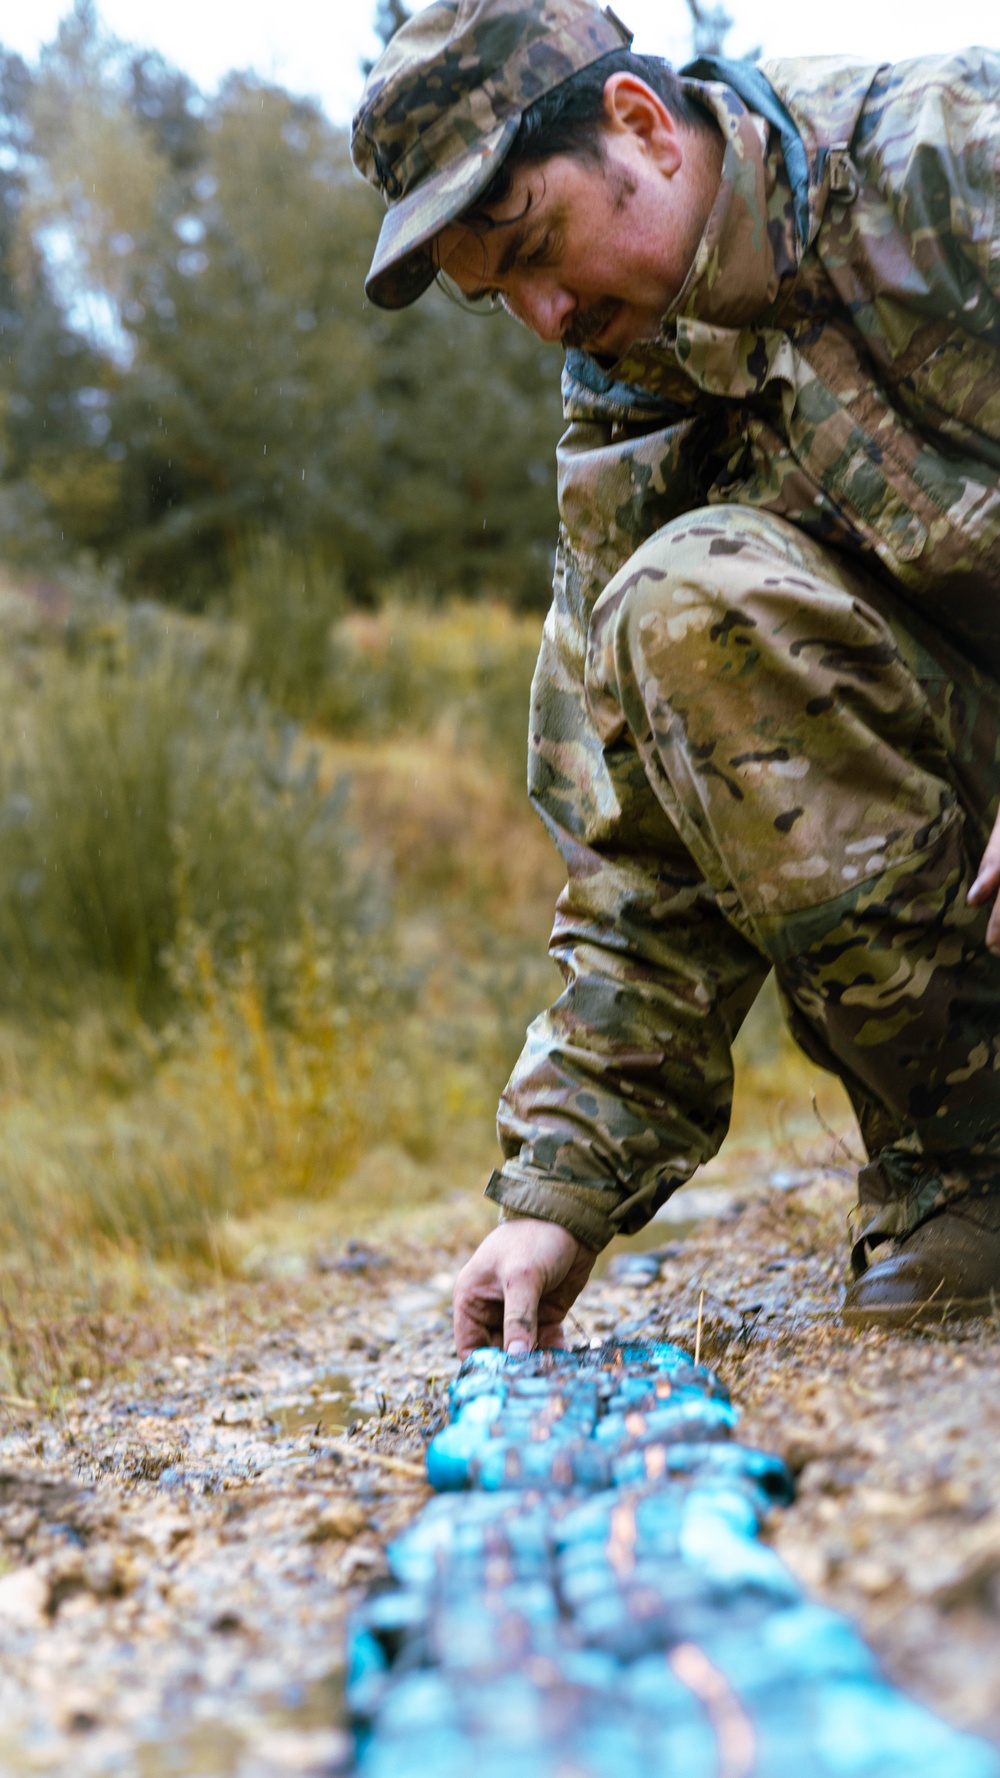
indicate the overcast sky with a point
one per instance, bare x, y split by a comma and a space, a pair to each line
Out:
314, 46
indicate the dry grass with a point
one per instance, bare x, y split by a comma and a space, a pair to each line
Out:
150, 1145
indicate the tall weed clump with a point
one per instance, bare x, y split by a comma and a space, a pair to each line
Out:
462, 668
285, 604
146, 800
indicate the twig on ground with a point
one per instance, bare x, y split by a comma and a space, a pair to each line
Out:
853, 1161
398, 1465
922, 1306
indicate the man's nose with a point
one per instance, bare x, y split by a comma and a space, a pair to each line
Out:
543, 305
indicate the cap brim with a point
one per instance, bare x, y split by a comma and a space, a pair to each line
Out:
402, 266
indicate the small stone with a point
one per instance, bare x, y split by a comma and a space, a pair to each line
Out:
357, 1258
809, 1562
872, 1576
107, 1572
80, 1711
304, 1751
970, 1577
232, 1413
359, 1560
342, 1518
636, 1269
23, 1597
18, 1523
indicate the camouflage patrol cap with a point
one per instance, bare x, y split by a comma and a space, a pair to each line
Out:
441, 108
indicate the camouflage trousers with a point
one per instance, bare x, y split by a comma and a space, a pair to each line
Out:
832, 765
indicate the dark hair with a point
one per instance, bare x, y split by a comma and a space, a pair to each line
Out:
568, 119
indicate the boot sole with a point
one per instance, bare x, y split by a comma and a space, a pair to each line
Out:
934, 1309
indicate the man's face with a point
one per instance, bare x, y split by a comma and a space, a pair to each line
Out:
589, 253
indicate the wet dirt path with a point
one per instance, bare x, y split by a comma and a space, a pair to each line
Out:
179, 1546
180, 1550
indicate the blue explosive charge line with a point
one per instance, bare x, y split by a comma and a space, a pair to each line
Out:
588, 1597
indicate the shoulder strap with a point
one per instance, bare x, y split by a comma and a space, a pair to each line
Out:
756, 91
589, 392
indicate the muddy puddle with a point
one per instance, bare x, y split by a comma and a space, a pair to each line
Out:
329, 1407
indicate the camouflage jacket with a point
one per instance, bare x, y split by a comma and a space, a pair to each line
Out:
834, 357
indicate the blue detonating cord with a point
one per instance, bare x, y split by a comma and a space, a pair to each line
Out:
588, 1597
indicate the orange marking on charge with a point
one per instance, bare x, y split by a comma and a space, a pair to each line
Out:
731, 1725
621, 1543
656, 1462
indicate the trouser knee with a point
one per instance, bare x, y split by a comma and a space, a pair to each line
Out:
810, 768
776, 719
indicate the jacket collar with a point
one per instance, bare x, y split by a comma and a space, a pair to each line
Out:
749, 244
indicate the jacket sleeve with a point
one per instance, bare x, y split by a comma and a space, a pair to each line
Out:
929, 139
624, 1086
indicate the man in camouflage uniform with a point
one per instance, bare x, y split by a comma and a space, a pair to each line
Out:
765, 725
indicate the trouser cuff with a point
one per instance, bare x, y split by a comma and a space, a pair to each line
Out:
899, 1191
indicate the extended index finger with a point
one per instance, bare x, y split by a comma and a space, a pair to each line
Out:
477, 1311
520, 1310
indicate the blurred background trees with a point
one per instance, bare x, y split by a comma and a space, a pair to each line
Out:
188, 363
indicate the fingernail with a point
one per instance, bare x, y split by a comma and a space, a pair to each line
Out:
517, 1348
974, 891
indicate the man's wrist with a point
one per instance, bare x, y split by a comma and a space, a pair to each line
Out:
583, 1211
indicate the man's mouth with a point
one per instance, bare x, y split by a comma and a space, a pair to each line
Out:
588, 325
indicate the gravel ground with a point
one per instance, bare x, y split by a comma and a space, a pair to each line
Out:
181, 1543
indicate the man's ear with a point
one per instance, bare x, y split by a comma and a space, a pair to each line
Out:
632, 108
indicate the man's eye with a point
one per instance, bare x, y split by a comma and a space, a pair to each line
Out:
540, 253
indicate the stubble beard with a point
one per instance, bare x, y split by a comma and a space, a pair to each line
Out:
588, 323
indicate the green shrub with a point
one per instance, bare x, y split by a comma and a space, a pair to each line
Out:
144, 799
286, 605
407, 669
463, 667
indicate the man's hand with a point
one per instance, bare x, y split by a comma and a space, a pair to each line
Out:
988, 883
518, 1285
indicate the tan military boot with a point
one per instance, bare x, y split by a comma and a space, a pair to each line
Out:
950, 1265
